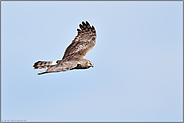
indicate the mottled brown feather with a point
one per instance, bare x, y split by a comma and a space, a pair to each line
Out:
83, 42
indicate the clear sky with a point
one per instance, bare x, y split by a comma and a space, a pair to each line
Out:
138, 59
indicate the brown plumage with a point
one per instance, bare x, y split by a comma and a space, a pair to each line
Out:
74, 56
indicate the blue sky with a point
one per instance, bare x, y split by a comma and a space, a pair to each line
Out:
138, 59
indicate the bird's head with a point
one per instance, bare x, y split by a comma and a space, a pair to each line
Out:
84, 64
89, 64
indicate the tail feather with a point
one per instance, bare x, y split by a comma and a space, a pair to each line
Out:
43, 64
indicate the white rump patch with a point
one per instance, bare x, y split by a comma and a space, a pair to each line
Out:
53, 63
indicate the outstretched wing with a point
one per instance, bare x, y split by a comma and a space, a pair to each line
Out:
83, 42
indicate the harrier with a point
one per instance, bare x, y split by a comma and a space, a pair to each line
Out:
74, 56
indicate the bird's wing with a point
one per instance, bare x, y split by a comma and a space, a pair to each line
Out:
83, 42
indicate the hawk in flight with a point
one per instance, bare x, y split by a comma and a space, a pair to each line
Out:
74, 56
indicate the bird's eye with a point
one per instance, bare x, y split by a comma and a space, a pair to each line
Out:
90, 64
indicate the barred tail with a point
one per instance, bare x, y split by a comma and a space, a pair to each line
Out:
43, 64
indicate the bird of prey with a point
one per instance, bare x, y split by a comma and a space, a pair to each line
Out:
74, 56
